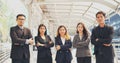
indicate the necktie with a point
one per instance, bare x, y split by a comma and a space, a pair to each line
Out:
22, 32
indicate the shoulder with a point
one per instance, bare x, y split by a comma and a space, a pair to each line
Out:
48, 36
109, 28
96, 27
36, 37
13, 28
57, 37
75, 36
27, 28
89, 35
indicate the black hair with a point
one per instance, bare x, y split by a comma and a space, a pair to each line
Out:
20, 15
42, 25
101, 12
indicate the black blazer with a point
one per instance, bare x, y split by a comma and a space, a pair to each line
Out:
19, 46
105, 37
44, 51
64, 52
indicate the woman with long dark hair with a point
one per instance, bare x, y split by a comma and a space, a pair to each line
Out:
63, 45
43, 43
81, 42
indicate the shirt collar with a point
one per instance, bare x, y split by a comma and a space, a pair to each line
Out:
21, 27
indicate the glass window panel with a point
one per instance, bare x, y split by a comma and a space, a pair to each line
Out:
111, 2
80, 7
82, 3
62, 7
101, 7
77, 11
118, 1
91, 14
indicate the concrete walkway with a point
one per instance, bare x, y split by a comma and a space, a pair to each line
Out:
34, 56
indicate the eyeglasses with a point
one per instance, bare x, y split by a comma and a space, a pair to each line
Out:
21, 19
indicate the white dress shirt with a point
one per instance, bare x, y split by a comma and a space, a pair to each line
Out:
63, 40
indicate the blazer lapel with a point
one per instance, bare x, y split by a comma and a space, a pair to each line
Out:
19, 31
65, 42
24, 31
78, 37
60, 41
41, 40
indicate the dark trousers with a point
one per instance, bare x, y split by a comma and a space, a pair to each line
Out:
63, 60
44, 60
23, 60
20, 60
83, 59
104, 59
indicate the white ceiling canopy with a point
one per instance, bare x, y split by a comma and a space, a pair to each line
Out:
74, 11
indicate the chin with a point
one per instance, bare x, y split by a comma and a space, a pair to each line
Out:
102, 23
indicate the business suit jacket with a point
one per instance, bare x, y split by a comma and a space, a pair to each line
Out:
82, 46
19, 47
105, 37
44, 51
64, 54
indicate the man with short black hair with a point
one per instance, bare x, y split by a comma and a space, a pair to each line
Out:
21, 39
101, 38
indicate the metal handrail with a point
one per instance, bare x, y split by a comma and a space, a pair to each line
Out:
4, 55
116, 43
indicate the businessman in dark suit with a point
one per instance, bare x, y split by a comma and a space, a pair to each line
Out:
21, 39
101, 38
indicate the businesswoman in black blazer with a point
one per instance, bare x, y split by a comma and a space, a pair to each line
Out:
43, 43
63, 45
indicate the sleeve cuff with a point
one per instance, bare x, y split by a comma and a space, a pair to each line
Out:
27, 41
